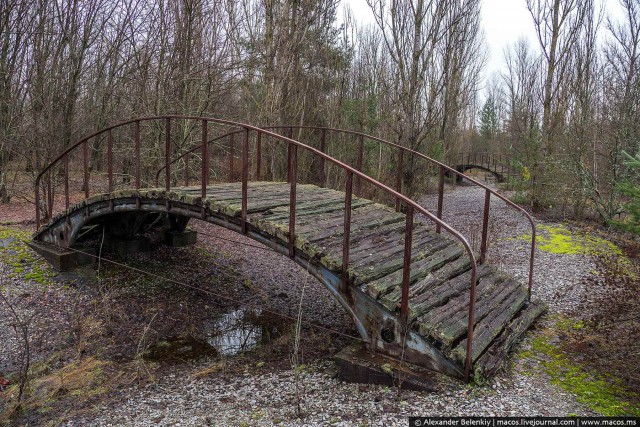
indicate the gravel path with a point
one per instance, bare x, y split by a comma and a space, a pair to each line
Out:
312, 396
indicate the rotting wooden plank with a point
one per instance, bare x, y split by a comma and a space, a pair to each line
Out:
329, 209
490, 326
448, 322
227, 186
383, 237
437, 296
359, 221
362, 239
369, 259
336, 218
326, 205
444, 274
420, 269
306, 198
492, 360
453, 326
376, 267
391, 295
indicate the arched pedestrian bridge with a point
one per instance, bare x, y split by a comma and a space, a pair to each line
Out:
412, 284
496, 165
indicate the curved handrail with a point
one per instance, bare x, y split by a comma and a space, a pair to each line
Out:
294, 145
447, 168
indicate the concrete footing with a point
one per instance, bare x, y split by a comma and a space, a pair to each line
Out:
356, 364
178, 239
64, 259
124, 247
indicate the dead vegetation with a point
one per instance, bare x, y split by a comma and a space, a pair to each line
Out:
606, 340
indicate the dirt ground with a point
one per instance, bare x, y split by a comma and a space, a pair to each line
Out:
99, 335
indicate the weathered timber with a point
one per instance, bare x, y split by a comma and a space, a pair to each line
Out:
428, 299
490, 362
438, 278
389, 287
491, 325
447, 323
372, 268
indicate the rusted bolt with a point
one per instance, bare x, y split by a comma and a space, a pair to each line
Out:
387, 334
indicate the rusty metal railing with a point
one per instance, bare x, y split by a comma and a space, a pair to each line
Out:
444, 170
292, 173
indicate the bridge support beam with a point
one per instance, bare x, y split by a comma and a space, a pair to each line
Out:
356, 364
178, 239
63, 259
127, 246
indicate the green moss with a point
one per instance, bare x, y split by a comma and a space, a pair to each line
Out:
601, 393
559, 239
22, 261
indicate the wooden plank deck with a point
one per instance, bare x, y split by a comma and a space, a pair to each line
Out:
440, 270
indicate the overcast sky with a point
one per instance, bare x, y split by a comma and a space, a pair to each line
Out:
503, 22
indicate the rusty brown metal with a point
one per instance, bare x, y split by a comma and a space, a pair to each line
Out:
259, 157
110, 159
396, 194
399, 176
245, 178
167, 153
136, 137
49, 196
323, 149
406, 266
186, 170
66, 181
472, 311
231, 155
293, 178
359, 164
440, 195
85, 161
485, 226
346, 237
205, 160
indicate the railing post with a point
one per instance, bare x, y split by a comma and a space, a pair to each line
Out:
359, 165
472, 308
186, 169
440, 195
289, 154
110, 159
136, 137
50, 199
259, 157
37, 194
167, 153
531, 258
323, 176
205, 160
406, 271
245, 178
231, 155
85, 162
346, 237
399, 176
66, 181
485, 226
293, 172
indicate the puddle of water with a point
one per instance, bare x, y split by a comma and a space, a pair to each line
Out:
233, 333
242, 330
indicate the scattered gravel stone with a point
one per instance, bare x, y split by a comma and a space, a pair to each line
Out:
311, 395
